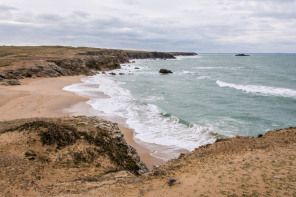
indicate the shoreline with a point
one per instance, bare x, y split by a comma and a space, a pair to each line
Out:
45, 97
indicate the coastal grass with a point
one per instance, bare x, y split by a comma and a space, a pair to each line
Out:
61, 135
10, 54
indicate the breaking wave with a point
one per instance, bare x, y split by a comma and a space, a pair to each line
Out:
262, 90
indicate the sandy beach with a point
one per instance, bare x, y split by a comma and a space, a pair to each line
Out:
44, 97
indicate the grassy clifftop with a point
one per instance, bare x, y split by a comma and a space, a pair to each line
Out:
11, 54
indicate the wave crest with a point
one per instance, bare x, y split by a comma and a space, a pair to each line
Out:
263, 90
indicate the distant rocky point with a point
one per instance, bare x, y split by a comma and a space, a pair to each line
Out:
241, 54
53, 61
183, 53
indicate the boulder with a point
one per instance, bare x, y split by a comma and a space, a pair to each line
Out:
165, 71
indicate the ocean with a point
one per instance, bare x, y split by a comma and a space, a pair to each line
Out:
207, 97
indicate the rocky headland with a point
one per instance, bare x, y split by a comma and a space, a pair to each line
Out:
32, 62
183, 53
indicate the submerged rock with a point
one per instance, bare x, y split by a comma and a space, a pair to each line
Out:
165, 71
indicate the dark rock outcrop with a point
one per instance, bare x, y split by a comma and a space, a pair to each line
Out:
87, 65
165, 71
241, 54
10, 82
148, 55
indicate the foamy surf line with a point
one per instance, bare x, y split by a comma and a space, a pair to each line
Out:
263, 90
146, 119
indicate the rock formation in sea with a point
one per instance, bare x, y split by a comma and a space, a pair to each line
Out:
165, 71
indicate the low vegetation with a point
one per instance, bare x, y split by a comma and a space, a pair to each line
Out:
61, 135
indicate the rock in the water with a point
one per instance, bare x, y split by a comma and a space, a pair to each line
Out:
137, 68
241, 54
165, 71
112, 73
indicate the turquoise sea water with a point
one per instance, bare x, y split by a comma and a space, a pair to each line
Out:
206, 95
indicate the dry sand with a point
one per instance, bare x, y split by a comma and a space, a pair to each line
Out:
44, 97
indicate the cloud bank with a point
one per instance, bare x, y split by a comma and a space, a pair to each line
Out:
166, 25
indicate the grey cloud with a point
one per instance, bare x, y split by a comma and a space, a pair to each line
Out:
130, 1
6, 8
80, 14
50, 17
6, 12
225, 27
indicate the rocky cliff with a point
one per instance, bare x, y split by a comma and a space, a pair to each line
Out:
31, 62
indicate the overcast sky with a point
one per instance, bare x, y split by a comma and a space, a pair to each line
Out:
163, 25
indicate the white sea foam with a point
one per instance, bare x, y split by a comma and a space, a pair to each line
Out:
187, 57
263, 90
217, 67
203, 77
187, 72
147, 120
154, 98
